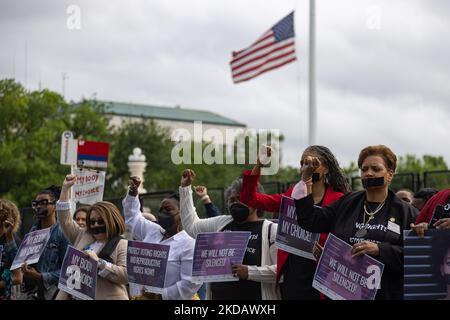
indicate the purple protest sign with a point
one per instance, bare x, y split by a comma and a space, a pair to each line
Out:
342, 277
78, 274
31, 248
215, 253
147, 264
290, 236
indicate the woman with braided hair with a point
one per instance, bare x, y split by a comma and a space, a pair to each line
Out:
329, 184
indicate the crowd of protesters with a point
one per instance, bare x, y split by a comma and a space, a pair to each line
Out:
371, 221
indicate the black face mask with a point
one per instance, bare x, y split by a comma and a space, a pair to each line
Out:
373, 182
315, 177
166, 220
98, 230
239, 212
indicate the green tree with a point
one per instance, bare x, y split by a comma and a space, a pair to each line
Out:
156, 146
412, 164
30, 133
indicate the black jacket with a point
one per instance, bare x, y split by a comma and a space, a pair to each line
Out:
340, 217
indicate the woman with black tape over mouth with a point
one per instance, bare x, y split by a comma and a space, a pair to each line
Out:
101, 240
372, 221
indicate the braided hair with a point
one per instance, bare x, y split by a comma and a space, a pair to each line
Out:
335, 176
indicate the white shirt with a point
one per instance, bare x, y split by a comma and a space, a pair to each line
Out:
178, 285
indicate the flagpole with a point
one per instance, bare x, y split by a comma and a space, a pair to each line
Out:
312, 73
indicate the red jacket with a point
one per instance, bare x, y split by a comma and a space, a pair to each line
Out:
272, 202
428, 209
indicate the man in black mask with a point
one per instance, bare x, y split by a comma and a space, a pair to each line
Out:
257, 273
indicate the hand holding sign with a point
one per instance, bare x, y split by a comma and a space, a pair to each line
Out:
317, 250
309, 165
91, 254
31, 273
240, 271
443, 223
187, 177
365, 247
419, 228
133, 185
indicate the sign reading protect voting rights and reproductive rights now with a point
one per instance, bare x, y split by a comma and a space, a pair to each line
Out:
147, 265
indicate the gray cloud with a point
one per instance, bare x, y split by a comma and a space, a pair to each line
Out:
374, 86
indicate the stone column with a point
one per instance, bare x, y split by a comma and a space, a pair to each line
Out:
137, 165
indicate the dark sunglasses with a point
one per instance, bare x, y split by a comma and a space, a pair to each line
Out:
99, 222
43, 202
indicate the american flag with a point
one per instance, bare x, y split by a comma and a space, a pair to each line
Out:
273, 49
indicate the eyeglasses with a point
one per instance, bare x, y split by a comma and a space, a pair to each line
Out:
99, 222
43, 202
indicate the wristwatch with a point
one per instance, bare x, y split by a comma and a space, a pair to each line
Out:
101, 264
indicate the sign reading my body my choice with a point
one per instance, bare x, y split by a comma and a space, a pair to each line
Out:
78, 274
290, 236
89, 187
215, 253
147, 264
31, 248
342, 277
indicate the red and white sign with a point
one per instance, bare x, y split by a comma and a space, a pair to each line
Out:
92, 154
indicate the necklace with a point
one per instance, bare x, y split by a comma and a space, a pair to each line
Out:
363, 232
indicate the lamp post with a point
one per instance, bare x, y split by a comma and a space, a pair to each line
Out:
137, 166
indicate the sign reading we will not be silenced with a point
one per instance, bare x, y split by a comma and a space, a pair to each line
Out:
78, 274
31, 248
343, 277
89, 187
147, 265
216, 252
290, 236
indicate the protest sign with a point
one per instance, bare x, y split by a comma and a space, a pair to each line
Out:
68, 149
31, 248
427, 265
290, 236
215, 253
92, 154
89, 187
78, 274
147, 264
342, 277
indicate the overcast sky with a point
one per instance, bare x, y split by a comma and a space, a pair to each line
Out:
383, 70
